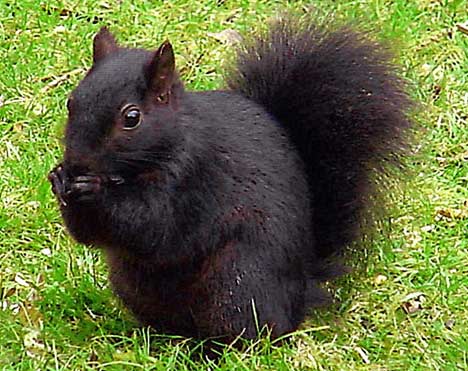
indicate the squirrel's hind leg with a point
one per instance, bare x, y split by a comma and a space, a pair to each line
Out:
243, 296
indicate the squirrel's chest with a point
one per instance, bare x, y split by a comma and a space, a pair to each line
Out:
172, 301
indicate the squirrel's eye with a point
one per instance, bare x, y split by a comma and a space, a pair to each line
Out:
131, 117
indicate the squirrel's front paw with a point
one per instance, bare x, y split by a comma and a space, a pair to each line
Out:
80, 188
59, 180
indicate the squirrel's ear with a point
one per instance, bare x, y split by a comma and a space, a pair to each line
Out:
103, 44
161, 70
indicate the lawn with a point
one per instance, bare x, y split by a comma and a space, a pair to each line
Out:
405, 309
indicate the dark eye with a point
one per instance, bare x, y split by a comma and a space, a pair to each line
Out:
131, 117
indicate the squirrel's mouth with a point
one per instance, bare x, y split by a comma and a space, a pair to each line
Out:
114, 179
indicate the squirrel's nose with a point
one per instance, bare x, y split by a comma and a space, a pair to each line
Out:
81, 162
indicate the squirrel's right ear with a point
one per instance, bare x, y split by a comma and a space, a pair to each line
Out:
160, 72
103, 44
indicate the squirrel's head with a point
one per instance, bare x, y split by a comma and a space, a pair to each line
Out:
122, 117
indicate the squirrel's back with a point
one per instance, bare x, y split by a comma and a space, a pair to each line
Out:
259, 168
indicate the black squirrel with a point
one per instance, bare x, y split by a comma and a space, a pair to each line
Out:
218, 211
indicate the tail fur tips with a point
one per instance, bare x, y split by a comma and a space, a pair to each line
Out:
344, 105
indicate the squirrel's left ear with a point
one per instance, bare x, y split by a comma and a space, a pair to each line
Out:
103, 44
160, 72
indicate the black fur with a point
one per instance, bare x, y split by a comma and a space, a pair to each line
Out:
344, 106
217, 213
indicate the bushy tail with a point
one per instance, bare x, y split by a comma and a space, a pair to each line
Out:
345, 107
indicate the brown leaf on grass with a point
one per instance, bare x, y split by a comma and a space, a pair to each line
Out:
93, 357
452, 213
10, 292
436, 90
26, 310
413, 302
30, 315
57, 80
33, 343
227, 36
463, 27
68, 13
449, 324
411, 307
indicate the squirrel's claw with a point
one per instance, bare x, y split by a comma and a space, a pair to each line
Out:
58, 180
80, 188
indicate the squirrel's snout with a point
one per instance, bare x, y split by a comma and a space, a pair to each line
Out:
80, 162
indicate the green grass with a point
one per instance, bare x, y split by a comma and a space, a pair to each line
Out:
57, 311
